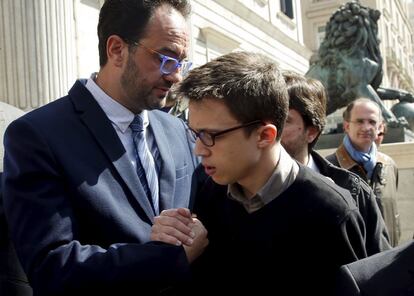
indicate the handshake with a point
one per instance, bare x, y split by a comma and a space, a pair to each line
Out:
180, 227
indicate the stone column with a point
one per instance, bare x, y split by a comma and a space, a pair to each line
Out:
37, 51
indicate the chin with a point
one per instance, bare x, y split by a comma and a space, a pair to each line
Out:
156, 105
219, 181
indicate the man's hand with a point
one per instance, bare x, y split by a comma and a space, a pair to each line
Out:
200, 241
178, 227
173, 226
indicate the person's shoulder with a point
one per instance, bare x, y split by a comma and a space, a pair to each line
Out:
167, 118
389, 272
327, 168
348, 176
55, 110
172, 126
384, 158
311, 178
324, 189
332, 158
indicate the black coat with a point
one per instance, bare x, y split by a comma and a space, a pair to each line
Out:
390, 273
377, 239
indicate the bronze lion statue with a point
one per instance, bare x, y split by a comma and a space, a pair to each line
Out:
349, 62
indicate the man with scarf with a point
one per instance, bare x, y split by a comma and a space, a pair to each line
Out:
358, 153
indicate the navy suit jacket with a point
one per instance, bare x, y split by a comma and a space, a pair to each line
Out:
77, 212
390, 273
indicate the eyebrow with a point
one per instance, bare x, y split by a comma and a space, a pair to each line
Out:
172, 53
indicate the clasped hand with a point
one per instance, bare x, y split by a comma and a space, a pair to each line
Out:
180, 227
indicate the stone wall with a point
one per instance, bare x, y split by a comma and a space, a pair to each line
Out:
403, 155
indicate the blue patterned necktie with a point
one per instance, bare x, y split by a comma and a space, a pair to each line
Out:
145, 163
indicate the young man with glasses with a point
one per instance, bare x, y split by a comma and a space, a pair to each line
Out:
358, 153
85, 175
270, 221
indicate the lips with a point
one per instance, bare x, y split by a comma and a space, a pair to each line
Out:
366, 135
210, 170
162, 91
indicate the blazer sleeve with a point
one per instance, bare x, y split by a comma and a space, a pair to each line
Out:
52, 255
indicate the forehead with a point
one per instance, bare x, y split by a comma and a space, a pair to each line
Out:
168, 28
295, 115
365, 110
210, 113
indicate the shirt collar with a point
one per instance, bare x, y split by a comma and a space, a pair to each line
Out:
312, 165
283, 176
117, 113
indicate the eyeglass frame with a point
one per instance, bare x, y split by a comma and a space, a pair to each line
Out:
183, 65
361, 122
200, 135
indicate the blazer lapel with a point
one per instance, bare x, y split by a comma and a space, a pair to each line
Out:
101, 128
167, 171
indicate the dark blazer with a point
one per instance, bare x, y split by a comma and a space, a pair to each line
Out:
77, 212
13, 280
390, 273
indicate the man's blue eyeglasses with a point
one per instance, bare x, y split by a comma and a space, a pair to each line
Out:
168, 64
209, 139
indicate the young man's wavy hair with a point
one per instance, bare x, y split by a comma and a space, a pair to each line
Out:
129, 18
250, 84
308, 97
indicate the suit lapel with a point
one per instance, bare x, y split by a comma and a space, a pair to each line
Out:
101, 128
167, 171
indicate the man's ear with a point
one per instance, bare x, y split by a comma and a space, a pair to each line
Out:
346, 126
312, 132
267, 135
116, 50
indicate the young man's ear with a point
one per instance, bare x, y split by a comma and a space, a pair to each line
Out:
312, 132
267, 135
116, 50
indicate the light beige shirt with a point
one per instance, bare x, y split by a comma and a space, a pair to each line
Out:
283, 176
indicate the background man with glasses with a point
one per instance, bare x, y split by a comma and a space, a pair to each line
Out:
85, 176
358, 153
270, 221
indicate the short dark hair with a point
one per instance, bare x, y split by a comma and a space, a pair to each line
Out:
347, 112
250, 84
308, 97
128, 19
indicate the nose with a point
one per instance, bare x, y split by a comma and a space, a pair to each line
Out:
174, 76
367, 125
200, 149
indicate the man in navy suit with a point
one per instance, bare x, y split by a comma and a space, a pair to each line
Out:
390, 273
79, 214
